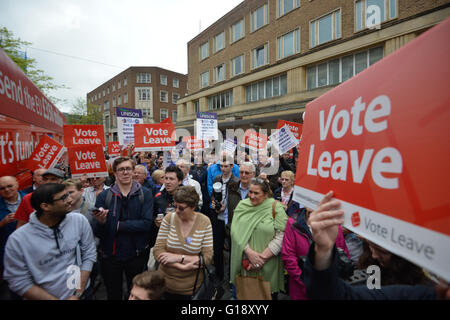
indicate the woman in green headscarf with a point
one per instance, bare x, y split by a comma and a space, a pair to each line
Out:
257, 236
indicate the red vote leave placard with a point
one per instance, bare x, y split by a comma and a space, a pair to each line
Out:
46, 154
296, 128
381, 142
114, 148
192, 143
89, 160
254, 140
82, 135
154, 137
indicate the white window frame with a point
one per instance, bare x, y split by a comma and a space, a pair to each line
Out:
216, 73
143, 77
233, 62
125, 82
202, 85
219, 44
161, 113
163, 79
175, 82
280, 7
125, 97
387, 14
336, 33
174, 115
253, 20
241, 33
163, 93
206, 45
175, 97
296, 44
254, 57
144, 94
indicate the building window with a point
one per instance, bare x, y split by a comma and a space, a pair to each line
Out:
119, 100
176, 83
371, 13
196, 106
219, 73
174, 116
114, 102
163, 80
106, 106
143, 94
266, 89
285, 6
260, 56
143, 77
125, 82
175, 98
104, 92
339, 70
107, 90
204, 51
237, 31
326, 28
204, 79
119, 84
163, 96
219, 42
237, 65
289, 44
163, 114
259, 17
221, 100
107, 124
125, 98
147, 112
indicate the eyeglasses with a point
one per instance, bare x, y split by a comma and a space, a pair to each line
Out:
9, 186
63, 197
127, 169
245, 172
258, 180
180, 208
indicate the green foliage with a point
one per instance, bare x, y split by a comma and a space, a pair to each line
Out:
84, 114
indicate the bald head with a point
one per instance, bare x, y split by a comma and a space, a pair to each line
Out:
8, 188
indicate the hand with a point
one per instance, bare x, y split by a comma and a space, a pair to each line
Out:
158, 221
255, 258
166, 258
7, 220
100, 215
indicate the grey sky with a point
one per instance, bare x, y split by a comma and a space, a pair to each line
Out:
117, 33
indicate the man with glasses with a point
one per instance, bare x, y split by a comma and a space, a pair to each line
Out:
123, 224
51, 257
22, 215
230, 197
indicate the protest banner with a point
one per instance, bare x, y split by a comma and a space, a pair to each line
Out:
126, 119
229, 146
254, 141
283, 139
296, 128
206, 126
153, 137
89, 160
384, 154
46, 154
192, 143
83, 134
114, 148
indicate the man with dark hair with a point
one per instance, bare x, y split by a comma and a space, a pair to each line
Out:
173, 178
51, 257
148, 285
123, 225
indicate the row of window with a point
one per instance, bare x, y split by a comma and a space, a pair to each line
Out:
145, 77
163, 114
143, 94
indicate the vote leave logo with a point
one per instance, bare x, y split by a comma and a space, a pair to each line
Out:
356, 219
154, 137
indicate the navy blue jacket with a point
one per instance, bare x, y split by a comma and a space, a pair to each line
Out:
326, 284
126, 232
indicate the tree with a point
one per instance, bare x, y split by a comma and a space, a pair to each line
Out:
84, 114
14, 49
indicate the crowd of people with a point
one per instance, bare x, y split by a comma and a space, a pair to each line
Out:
153, 223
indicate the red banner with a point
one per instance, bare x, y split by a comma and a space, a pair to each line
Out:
192, 143
254, 141
82, 135
114, 148
46, 154
381, 142
296, 128
154, 137
89, 160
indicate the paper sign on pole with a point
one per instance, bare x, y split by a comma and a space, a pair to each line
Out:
229, 146
206, 126
88, 160
83, 134
381, 142
126, 119
283, 139
113, 148
46, 154
153, 137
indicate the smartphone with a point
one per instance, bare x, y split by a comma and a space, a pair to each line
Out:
95, 210
160, 215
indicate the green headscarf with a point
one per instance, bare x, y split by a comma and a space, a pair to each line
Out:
255, 226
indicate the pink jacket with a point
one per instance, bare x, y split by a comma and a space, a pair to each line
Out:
294, 246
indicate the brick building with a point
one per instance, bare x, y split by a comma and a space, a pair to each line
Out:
154, 90
265, 60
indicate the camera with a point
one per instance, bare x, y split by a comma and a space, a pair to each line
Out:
217, 192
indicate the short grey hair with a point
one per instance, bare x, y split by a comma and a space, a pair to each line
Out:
249, 165
185, 162
141, 166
